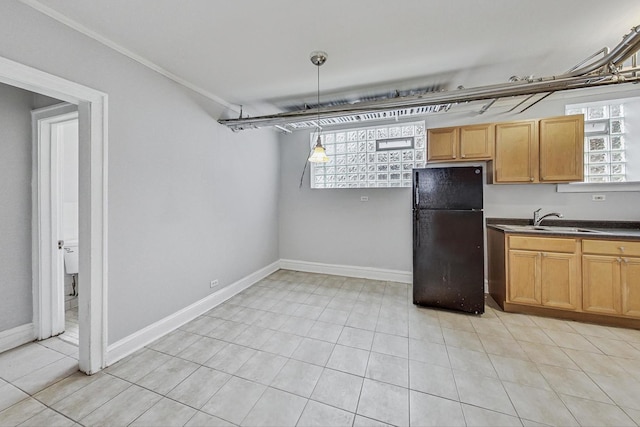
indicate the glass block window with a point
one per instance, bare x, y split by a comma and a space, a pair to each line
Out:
380, 156
605, 157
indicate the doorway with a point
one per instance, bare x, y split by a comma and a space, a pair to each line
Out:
92, 208
55, 132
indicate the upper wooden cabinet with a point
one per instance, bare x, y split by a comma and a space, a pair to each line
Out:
543, 151
562, 149
532, 151
476, 142
516, 157
462, 143
442, 144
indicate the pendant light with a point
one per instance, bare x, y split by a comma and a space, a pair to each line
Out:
319, 155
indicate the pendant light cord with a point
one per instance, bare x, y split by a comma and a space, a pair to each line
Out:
318, 103
317, 125
305, 169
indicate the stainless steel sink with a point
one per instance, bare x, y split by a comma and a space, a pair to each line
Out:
559, 229
549, 228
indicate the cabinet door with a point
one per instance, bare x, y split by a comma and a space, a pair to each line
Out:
516, 152
524, 277
630, 278
601, 284
559, 277
476, 142
442, 144
562, 149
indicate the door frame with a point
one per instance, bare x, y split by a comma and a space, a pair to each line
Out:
48, 283
92, 209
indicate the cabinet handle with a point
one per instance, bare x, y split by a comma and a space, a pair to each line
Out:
621, 248
455, 157
463, 156
619, 260
543, 254
625, 260
531, 179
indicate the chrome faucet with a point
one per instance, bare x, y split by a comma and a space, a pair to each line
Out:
537, 219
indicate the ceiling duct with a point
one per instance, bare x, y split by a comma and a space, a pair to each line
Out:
604, 71
369, 116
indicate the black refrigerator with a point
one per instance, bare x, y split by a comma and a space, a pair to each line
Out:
448, 248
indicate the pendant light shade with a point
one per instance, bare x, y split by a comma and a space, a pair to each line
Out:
318, 155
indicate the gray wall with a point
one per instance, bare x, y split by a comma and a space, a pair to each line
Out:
377, 233
189, 201
15, 207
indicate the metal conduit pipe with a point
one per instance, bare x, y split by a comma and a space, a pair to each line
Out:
553, 84
577, 79
604, 51
628, 46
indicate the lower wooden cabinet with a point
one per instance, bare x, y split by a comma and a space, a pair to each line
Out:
630, 281
601, 284
591, 279
611, 271
545, 277
560, 280
524, 275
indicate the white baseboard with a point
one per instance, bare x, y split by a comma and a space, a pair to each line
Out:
139, 339
17, 336
348, 270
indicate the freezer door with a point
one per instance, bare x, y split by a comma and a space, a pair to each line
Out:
448, 260
447, 188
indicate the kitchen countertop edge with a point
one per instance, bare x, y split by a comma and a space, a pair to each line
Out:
605, 229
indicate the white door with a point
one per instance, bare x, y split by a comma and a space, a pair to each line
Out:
55, 137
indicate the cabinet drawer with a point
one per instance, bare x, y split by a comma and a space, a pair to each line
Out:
550, 244
611, 247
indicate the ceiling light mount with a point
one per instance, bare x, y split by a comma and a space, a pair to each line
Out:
318, 57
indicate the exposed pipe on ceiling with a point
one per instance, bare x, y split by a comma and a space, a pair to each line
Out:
625, 49
605, 71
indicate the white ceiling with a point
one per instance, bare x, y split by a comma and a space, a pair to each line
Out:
256, 52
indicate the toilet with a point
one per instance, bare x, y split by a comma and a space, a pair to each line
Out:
71, 263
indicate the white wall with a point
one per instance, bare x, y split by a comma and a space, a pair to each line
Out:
378, 233
15, 207
189, 201
334, 226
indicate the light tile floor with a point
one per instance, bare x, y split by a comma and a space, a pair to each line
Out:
314, 350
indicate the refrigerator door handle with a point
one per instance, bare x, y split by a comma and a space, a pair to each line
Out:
417, 193
416, 229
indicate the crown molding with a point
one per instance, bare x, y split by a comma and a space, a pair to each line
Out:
65, 20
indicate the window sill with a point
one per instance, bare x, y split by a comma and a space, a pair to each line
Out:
592, 187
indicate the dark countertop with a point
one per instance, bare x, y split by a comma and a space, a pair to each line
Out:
628, 230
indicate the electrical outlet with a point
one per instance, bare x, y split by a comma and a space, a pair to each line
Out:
598, 197
364, 198
214, 283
